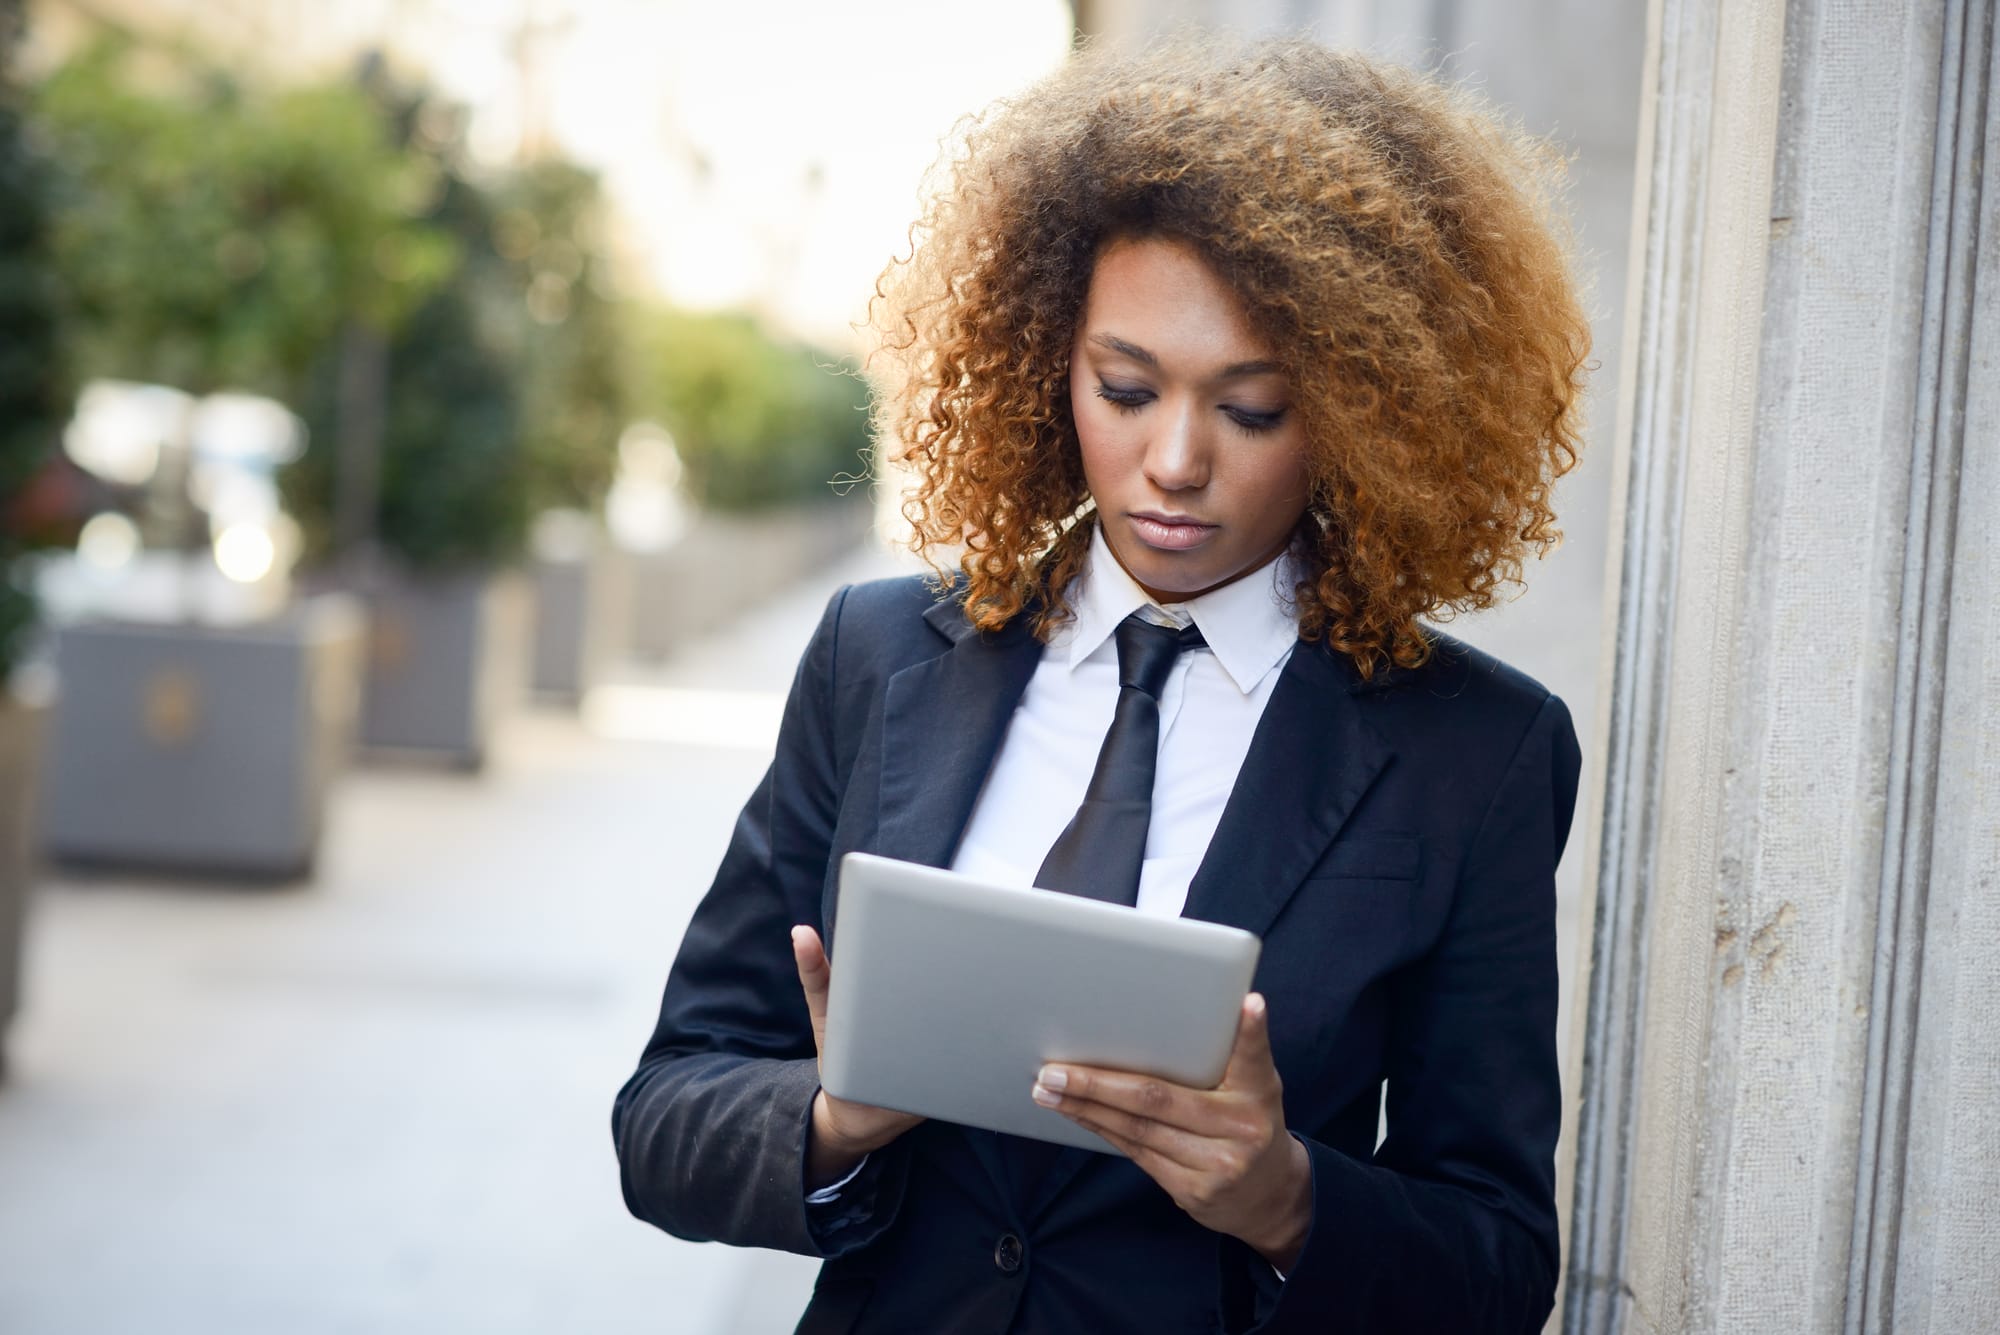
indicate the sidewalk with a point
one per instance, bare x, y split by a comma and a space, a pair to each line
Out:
379, 1102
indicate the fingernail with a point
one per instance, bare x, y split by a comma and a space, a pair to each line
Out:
1053, 1077
1255, 1003
1045, 1096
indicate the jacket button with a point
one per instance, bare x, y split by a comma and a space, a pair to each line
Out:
1007, 1254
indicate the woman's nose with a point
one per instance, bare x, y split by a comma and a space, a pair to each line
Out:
1177, 454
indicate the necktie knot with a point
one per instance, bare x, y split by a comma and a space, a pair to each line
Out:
1146, 652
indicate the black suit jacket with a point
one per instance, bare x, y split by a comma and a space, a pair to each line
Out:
1394, 843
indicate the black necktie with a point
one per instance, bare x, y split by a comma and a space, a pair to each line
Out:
1100, 853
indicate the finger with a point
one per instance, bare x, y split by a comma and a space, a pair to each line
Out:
1142, 1096
1250, 1062
1148, 1161
810, 956
1160, 1151
1175, 1142
814, 975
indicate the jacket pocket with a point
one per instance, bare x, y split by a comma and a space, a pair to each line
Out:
1371, 857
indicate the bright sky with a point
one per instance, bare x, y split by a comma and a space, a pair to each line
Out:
763, 154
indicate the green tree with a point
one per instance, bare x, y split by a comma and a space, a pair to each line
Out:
569, 336
758, 421
217, 236
454, 480
221, 234
506, 393
453, 486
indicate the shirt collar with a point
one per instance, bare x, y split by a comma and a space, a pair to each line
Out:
1247, 623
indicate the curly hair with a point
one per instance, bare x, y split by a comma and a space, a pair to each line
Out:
1396, 243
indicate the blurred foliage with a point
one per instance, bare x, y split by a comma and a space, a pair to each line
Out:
212, 233
758, 421
454, 486
504, 394
454, 489
35, 386
214, 237
570, 346
219, 235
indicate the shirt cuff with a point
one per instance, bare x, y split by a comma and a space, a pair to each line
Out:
830, 1193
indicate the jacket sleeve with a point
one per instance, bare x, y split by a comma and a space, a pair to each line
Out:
711, 1128
1453, 1224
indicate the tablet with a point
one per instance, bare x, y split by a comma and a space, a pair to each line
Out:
949, 993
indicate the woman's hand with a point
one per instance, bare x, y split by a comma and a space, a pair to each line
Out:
843, 1133
1222, 1154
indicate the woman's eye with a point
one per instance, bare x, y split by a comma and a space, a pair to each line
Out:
1122, 398
1254, 422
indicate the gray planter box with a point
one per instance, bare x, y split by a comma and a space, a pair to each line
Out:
570, 632
21, 721
200, 748
445, 657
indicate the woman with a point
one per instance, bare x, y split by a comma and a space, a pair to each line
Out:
1279, 344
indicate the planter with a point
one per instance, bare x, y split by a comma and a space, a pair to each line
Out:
444, 659
22, 719
723, 563
567, 578
198, 748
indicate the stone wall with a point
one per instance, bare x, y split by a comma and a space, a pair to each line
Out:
1787, 1121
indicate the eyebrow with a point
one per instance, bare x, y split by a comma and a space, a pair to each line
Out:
1139, 354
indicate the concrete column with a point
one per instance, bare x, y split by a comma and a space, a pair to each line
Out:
1790, 1070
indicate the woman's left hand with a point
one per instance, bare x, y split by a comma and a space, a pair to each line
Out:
1223, 1154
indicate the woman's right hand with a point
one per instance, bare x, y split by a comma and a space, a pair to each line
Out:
843, 1132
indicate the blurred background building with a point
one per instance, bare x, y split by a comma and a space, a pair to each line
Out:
370, 372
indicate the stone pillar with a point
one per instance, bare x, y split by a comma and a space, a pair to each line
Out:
1790, 1072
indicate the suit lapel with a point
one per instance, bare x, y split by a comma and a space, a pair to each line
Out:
942, 723
1310, 761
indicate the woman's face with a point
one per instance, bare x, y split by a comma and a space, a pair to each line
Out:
1191, 446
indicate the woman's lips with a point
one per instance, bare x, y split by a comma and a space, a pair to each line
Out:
1172, 534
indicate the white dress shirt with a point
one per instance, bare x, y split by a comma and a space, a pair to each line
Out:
1208, 711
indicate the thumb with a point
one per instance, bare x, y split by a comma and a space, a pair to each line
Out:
814, 975
1250, 1059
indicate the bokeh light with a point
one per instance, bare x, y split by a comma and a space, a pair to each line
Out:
245, 552
109, 541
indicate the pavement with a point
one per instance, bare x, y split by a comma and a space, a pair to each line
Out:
378, 1101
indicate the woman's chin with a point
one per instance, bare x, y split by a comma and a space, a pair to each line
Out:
1168, 581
